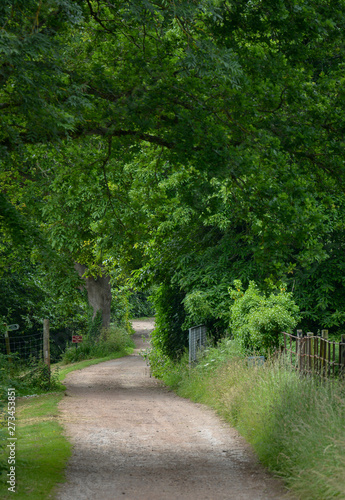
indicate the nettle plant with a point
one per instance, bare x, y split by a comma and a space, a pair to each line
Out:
258, 319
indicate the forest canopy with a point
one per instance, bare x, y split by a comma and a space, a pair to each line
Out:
175, 145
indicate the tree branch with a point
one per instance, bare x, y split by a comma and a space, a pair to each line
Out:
104, 163
104, 131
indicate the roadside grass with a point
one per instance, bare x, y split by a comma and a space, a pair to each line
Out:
295, 424
42, 451
112, 339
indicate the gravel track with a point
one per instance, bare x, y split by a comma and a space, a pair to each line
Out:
134, 439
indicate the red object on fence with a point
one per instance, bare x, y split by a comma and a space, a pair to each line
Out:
76, 339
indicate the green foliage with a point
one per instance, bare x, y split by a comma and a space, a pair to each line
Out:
169, 338
295, 424
140, 306
41, 380
3, 429
94, 326
32, 79
112, 340
29, 295
121, 307
206, 146
258, 319
160, 364
175, 373
30, 377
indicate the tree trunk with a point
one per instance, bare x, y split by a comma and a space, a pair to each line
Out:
98, 293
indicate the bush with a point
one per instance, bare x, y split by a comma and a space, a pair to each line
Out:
140, 305
258, 320
40, 380
94, 325
169, 337
113, 339
30, 377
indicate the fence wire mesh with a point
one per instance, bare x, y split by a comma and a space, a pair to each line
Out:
197, 341
25, 347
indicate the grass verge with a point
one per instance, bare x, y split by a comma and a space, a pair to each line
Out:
295, 424
41, 450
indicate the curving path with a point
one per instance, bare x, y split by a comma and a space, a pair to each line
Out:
134, 439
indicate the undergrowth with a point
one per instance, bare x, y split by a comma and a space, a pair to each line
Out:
296, 424
111, 340
34, 378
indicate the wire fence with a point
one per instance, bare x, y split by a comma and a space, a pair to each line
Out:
315, 354
25, 347
197, 341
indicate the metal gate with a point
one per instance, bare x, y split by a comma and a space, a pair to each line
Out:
197, 341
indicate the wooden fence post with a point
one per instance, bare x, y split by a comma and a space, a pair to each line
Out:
310, 351
7, 342
323, 354
342, 356
298, 348
8, 348
46, 346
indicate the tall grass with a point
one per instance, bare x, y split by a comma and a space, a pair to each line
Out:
296, 424
111, 340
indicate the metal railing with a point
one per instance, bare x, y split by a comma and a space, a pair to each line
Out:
197, 341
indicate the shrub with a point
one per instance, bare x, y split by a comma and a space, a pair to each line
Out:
113, 339
169, 337
30, 377
258, 320
140, 305
94, 325
41, 380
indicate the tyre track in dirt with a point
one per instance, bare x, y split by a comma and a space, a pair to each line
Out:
134, 439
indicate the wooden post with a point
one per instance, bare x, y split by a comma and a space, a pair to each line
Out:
302, 353
342, 356
46, 346
298, 348
324, 364
321, 354
310, 352
8, 348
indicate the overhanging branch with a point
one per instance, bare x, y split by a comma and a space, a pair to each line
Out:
105, 132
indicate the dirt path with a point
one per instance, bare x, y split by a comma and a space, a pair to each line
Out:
134, 439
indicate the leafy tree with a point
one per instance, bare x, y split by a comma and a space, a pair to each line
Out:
199, 142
